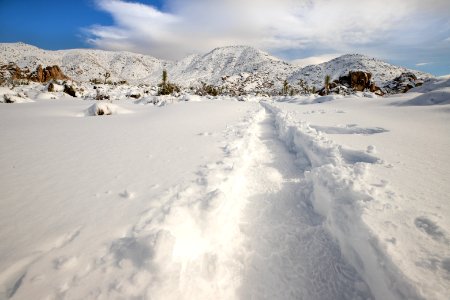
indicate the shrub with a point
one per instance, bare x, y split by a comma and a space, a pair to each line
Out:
165, 87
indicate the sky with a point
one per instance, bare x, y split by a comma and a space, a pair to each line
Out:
413, 33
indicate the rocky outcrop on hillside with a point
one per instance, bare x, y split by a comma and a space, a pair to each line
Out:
10, 73
13, 74
354, 81
403, 83
46, 74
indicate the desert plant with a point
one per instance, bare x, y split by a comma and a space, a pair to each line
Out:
327, 83
164, 77
165, 87
106, 75
285, 89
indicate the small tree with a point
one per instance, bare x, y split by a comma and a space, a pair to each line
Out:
327, 84
106, 75
164, 77
165, 87
285, 87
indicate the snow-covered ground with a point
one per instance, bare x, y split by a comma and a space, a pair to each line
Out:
310, 198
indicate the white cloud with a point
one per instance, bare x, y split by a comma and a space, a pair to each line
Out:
314, 60
275, 25
423, 64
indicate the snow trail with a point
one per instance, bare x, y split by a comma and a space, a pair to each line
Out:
290, 255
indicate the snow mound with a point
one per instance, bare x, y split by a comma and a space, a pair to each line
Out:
433, 84
10, 96
104, 109
434, 91
437, 97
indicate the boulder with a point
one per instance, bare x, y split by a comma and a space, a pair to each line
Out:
359, 80
355, 81
70, 90
403, 83
48, 73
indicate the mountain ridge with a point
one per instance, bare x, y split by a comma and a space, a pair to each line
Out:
240, 65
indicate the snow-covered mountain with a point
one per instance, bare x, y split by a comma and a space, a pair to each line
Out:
85, 64
239, 67
228, 61
381, 71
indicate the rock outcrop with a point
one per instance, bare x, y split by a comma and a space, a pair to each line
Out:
355, 81
48, 73
403, 83
12, 74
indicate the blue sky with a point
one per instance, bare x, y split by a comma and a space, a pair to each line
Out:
411, 33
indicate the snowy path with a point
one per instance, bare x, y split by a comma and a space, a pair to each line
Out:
290, 255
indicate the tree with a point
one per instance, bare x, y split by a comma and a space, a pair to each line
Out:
164, 77
165, 87
327, 84
106, 75
285, 87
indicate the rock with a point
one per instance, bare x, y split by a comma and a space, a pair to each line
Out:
47, 74
135, 96
70, 89
359, 80
101, 109
12, 73
51, 87
403, 83
355, 81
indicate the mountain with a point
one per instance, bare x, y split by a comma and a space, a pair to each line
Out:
382, 72
229, 61
85, 64
237, 67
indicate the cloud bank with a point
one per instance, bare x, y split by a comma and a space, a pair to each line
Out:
318, 27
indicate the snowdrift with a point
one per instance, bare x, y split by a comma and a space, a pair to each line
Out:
337, 191
104, 109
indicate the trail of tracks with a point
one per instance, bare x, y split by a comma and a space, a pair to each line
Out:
290, 255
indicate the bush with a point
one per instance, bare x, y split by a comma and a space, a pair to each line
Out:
165, 87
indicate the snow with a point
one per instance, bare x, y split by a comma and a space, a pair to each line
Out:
236, 67
216, 198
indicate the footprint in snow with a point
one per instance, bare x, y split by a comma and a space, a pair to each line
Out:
430, 228
127, 195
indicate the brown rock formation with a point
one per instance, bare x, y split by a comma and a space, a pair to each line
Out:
11, 73
359, 80
47, 74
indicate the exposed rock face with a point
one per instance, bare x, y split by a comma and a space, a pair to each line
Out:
11, 73
49, 73
355, 81
70, 90
403, 83
360, 80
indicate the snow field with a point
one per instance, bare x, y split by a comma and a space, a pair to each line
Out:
219, 199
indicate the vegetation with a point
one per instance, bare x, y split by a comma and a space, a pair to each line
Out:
208, 89
327, 84
285, 89
106, 75
165, 87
